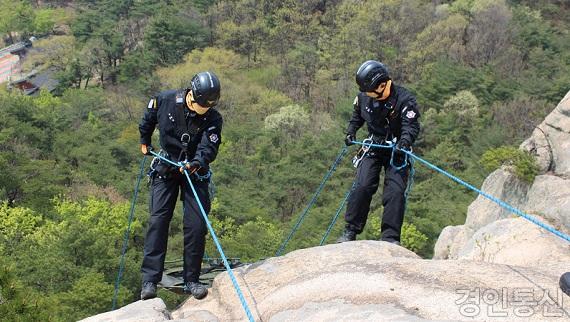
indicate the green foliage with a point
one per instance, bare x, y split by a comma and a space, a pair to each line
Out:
169, 36
290, 121
16, 224
16, 17
18, 303
251, 241
412, 238
523, 163
89, 295
465, 107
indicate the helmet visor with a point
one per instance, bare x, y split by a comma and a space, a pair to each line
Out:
203, 101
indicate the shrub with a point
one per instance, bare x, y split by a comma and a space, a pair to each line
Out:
521, 162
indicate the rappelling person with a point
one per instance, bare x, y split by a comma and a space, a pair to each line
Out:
190, 132
391, 113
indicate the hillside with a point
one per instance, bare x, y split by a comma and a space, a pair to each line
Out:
485, 73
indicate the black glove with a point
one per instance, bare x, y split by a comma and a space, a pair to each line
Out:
349, 138
403, 144
191, 166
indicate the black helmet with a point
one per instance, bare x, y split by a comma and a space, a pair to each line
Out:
205, 88
370, 74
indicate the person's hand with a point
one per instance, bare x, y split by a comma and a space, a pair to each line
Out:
145, 149
349, 138
403, 144
191, 166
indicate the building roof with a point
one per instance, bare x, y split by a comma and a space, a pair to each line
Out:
13, 48
34, 81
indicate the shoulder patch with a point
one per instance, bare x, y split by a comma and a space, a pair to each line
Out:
152, 103
411, 114
214, 138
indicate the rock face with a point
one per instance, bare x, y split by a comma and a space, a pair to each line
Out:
492, 233
371, 281
550, 140
150, 311
378, 281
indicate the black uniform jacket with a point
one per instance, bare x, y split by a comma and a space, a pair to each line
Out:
395, 117
203, 133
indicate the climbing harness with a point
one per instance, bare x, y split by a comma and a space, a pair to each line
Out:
362, 152
158, 168
127, 233
214, 237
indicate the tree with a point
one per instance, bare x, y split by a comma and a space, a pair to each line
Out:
241, 28
169, 36
488, 35
291, 120
465, 106
16, 18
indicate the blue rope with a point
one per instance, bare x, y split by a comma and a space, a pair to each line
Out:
214, 237
333, 221
484, 194
410, 181
127, 233
336, 162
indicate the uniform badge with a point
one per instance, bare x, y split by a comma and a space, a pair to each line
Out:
214, 138
411, 114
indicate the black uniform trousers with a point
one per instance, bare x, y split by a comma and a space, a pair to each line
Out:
393, 200
164, 194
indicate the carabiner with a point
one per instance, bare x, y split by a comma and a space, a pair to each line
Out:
185, 139
362, 152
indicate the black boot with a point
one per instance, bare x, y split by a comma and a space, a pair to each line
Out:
148, 290
197, 290
347, 235
565, 283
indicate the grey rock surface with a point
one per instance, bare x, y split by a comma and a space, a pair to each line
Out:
375, 281
547, 198
516, 241
153, 310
